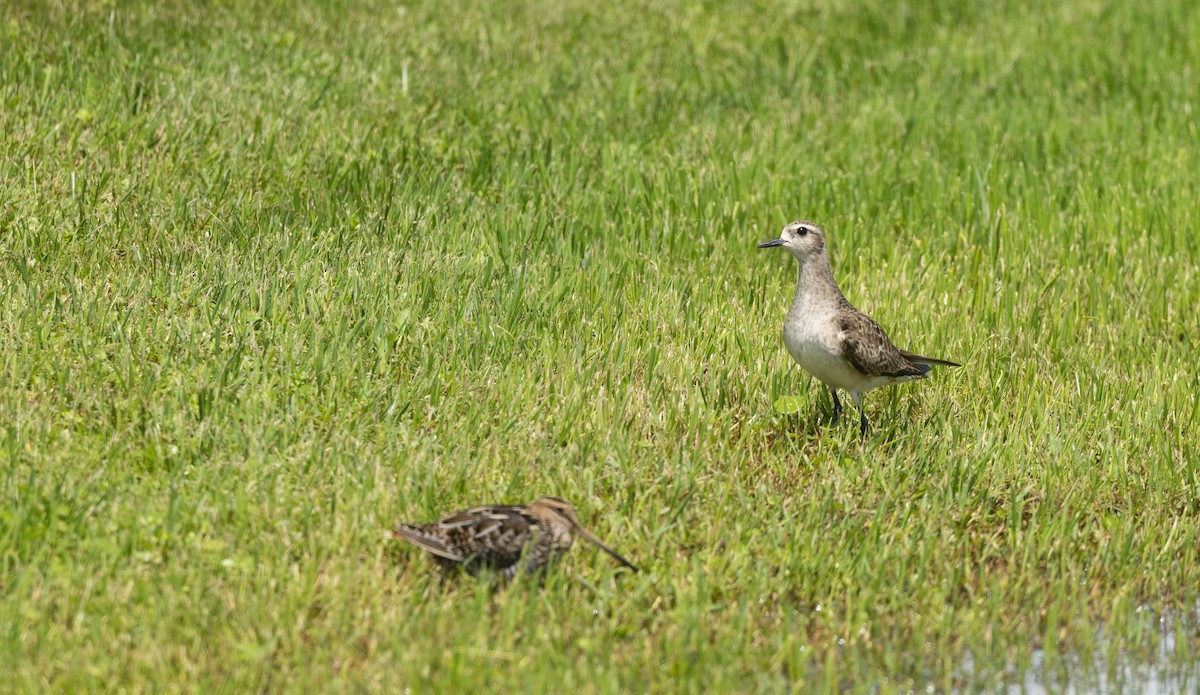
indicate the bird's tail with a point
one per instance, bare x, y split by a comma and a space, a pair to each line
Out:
423, 539
931, 361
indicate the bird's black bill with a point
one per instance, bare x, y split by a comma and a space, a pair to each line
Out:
769, 244
600, 544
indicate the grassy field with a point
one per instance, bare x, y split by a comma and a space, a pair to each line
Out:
275, 276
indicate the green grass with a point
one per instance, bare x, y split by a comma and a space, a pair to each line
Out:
277, 275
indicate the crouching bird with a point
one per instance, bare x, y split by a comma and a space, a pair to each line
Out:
503, 538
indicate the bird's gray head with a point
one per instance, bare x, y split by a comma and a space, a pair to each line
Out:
801, 239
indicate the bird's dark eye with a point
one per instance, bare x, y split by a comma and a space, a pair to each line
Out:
802, 230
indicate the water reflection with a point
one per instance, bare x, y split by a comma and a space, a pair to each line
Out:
1168, 665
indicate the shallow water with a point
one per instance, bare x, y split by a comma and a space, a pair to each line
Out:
1128, 675
1157, 671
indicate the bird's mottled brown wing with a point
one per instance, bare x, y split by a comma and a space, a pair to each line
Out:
486, 536
867, 347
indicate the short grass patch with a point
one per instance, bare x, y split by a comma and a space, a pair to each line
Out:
275, 276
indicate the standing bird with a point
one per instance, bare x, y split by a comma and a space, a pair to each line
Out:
503, 538
838, 344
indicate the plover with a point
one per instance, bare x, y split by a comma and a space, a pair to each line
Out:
503, 538
838, 344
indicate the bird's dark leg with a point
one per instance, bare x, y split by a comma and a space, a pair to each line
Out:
862, 414
837, 406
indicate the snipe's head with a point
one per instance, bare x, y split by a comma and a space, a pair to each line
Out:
557, 511
801, 239
554, 510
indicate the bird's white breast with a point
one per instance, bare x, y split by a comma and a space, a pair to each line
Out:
811, 338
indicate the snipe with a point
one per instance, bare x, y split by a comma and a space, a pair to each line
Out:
503, 538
